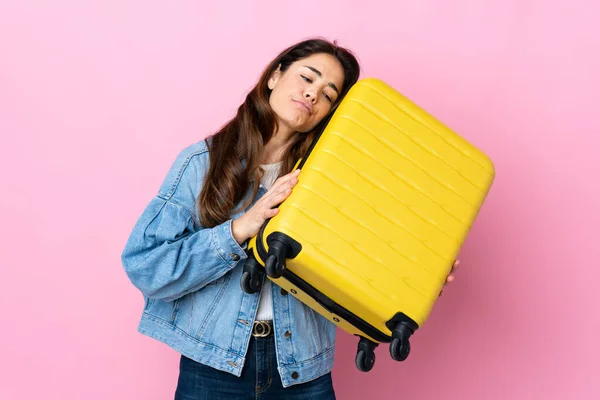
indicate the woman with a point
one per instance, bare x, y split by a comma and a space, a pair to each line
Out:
186, 251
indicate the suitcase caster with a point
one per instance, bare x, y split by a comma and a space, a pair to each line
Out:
274, 266
400, 345
365, 356
250, 281
280, 248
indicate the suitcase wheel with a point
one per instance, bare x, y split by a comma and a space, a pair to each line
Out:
400, 345
281, 247
274, 266
250, 281
365, 356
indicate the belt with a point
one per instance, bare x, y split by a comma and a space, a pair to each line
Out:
262, 329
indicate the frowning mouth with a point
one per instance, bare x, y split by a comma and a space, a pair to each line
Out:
306, 106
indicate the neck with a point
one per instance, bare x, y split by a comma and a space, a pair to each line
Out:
277, 145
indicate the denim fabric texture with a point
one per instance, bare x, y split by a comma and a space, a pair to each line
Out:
189, 276
259, 381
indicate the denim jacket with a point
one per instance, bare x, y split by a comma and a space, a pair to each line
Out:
189, 276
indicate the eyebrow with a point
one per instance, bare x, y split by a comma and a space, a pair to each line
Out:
330, 84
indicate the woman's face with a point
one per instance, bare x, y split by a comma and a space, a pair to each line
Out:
305, 93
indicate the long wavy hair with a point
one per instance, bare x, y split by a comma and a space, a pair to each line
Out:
236, 150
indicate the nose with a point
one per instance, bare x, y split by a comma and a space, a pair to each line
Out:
309, 94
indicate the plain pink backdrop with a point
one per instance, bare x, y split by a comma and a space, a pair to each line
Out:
97, 98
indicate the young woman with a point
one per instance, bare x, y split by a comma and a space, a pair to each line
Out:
186, 251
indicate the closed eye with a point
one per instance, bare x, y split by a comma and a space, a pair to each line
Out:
309, 80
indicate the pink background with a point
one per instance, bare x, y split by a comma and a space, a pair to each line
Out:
97, 98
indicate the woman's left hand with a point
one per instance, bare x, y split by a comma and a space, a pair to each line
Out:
450, 277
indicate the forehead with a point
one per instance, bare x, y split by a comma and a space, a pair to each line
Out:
329, 66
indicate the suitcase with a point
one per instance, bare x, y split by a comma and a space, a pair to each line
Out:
385, 200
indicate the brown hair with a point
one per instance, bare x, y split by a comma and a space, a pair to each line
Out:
243, 137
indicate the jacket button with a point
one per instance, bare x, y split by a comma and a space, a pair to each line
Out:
294, 375
283, 292
287, 334
234, 257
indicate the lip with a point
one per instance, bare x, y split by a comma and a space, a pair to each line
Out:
306, 106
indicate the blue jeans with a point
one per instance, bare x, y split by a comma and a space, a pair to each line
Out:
259, 381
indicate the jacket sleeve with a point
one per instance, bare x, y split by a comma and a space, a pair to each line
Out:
167, 254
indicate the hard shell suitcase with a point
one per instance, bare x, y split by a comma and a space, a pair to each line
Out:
384, 202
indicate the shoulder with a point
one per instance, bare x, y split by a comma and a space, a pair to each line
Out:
185, 176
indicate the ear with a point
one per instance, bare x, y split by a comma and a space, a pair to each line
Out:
274, 78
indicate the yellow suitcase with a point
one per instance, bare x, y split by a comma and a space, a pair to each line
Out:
385, 200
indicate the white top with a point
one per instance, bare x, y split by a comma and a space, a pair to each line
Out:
265, 306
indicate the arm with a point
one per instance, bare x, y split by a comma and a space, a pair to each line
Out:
165, 259
167, 255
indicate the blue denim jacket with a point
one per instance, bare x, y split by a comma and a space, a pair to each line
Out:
190, 279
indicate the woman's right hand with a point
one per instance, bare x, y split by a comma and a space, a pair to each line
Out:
250, 222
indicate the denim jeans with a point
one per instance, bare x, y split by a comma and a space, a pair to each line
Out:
259, 381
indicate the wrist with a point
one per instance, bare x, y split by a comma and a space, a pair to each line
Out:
238, 234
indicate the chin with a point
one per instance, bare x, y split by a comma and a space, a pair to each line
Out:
293, 123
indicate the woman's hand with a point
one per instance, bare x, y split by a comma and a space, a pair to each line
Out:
450, 277
249, 223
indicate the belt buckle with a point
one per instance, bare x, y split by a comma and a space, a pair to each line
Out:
261, 329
